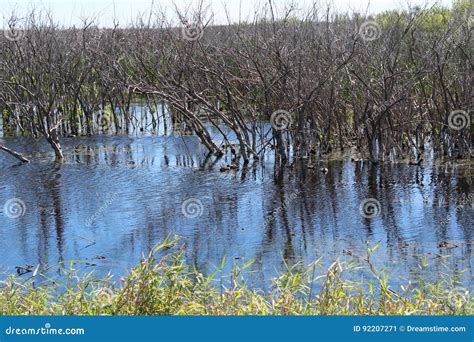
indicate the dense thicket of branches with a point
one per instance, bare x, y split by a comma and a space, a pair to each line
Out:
326, 81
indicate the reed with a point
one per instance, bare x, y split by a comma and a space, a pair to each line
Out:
166, 286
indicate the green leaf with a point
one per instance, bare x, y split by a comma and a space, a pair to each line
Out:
210, 277
374, 247
224, 259
248, 264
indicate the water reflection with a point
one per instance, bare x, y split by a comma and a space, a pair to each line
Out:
117, 197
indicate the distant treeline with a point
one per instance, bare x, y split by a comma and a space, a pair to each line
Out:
390, 85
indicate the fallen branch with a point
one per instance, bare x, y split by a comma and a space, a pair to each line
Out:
14, 154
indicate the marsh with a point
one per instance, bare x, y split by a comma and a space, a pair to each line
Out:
116, 197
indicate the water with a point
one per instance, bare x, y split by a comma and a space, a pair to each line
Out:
116, 197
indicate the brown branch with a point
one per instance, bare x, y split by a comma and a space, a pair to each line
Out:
14, 154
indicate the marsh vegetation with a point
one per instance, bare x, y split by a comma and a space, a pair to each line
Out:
166, 286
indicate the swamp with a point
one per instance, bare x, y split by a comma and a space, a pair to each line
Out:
292, 163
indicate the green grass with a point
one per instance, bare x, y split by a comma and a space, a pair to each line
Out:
166, 286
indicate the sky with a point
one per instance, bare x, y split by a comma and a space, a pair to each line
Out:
71, 12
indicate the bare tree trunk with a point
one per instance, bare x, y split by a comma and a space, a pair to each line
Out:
14, 154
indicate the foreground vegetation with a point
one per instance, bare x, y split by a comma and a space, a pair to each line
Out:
165, 286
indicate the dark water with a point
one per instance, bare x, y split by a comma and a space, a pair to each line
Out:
117, 197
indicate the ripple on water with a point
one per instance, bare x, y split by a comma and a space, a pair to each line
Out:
118, 197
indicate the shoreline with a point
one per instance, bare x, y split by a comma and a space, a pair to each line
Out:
166, 286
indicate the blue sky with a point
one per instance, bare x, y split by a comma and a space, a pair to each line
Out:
70, 12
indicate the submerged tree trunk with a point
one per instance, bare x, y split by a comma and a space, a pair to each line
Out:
53, 140
51, 134
14, 154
